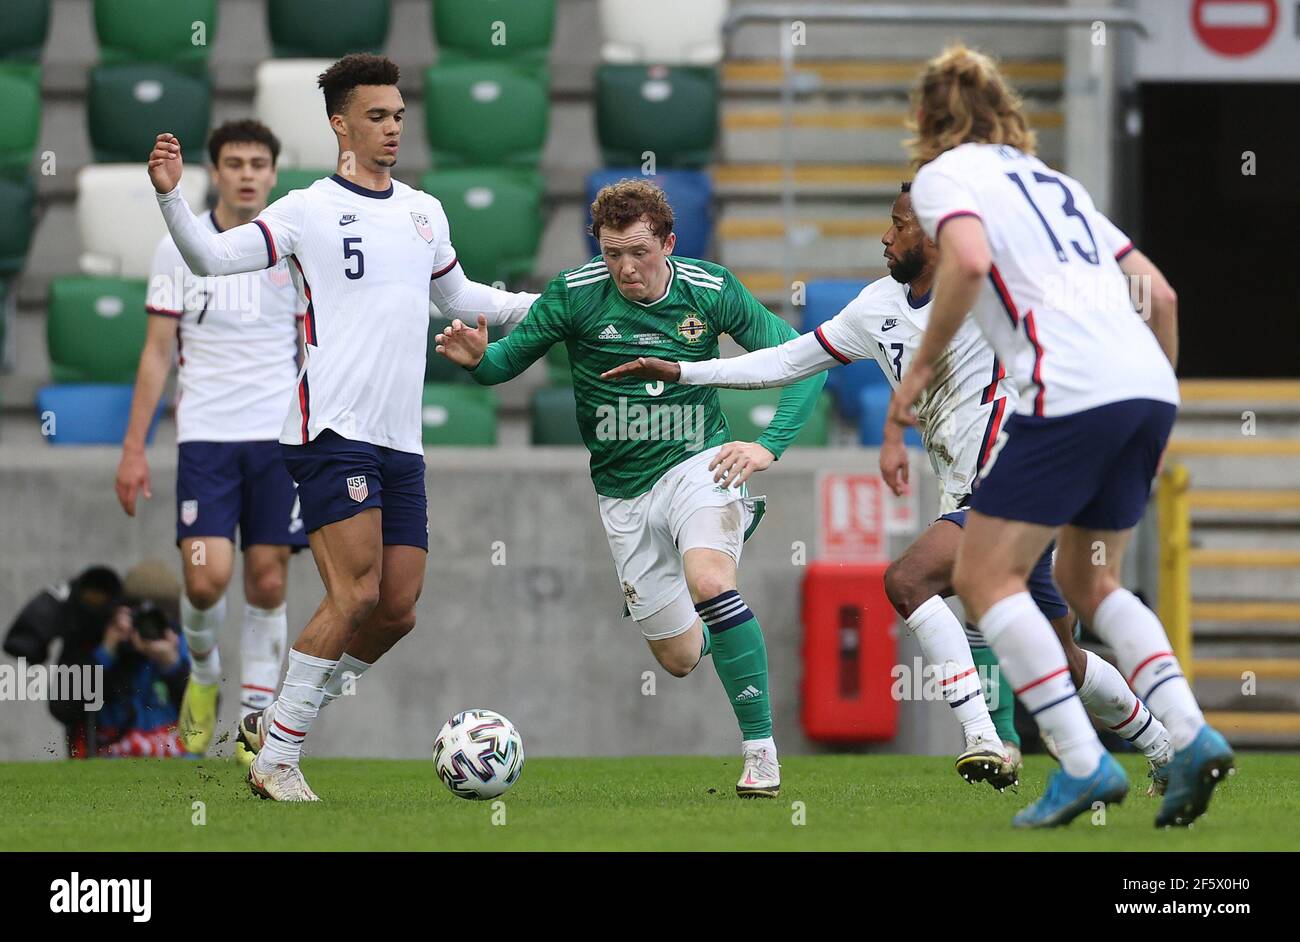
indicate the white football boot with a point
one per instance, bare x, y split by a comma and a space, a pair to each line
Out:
252, 735
283, 783
761, 776
987, 760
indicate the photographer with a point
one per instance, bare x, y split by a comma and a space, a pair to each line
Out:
125, 632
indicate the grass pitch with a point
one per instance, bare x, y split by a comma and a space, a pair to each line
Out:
649, 803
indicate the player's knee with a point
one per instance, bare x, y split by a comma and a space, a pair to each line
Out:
358, 602
398, 626
202, 590
904, 590
679, 663
265, 587
1086, 590
709, 586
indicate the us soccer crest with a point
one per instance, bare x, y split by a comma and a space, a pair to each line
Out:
189, 512
422, 226
357, 488
692, 328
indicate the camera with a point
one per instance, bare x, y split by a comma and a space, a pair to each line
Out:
150, 621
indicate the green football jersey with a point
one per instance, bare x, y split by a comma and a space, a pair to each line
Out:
636, 430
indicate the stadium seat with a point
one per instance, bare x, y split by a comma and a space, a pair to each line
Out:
327, 28
872, 409
437, 368
23, 29
95, 329
89, 414
690, 193
293, 178
484, 114
671, 112
156, 31
553, 417
681, 32
749, 411
20, 122
459, 414
17, 206
118, 217
825, 299
495, 218
130, 104
287, 99
468, 29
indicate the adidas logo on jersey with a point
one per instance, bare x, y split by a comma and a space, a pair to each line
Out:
610, 333
749, 693
347, 219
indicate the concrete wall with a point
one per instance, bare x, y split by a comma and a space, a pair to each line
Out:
539, 639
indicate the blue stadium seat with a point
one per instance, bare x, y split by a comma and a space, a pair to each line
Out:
690, 192
88, 413
873, 406
825, 299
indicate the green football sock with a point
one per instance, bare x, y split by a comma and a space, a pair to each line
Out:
740, 658
997, 694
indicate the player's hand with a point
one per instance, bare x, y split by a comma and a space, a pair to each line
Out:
165, 163
461, 344
894, 466
132, 479
905, 396
737, 461
646, 368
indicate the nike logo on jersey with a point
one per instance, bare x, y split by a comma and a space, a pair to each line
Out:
610, 333
889, 324
347, 219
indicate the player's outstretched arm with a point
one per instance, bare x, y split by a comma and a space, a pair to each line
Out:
243, 248
455, 295
781, 365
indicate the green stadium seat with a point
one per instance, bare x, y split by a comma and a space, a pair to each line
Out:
20, 121
327, 29
17, 221
671, 112
95, 329
129, 105
23, 29
459, 414
437, 368
294, 178
517, 30
484, 114
748, 412
495, 218
156, 31
554, 419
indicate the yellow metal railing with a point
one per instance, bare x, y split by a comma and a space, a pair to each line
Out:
1173, 508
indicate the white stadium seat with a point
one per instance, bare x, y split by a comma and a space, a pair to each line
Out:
119, 219
678, 32
288, 100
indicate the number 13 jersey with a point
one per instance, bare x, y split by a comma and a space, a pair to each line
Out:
362, 260
1055, 306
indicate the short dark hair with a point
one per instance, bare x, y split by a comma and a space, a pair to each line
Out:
246, 131
358, 68
619, 205
905, 188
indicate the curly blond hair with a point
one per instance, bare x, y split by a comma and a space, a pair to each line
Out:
962, 97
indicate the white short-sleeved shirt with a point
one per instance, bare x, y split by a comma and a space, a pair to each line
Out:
236, 346
1056, 307
363, 260
961, 412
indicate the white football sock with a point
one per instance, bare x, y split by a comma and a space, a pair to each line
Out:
1142, 649
943, 645
295, 710
200, 627
768, 743
341, 682
1110, 700
262, 647
1030, 655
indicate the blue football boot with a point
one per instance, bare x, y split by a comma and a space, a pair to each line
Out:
1067, 797
1193, 773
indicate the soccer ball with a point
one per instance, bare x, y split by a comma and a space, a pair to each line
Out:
478, 754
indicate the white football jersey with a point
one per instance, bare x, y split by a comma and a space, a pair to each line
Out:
363, 260
236, 346
961, 413
1056, 307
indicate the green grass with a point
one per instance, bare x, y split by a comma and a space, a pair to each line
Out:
651, 803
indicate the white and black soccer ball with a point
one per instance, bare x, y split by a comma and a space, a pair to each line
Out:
478, 754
